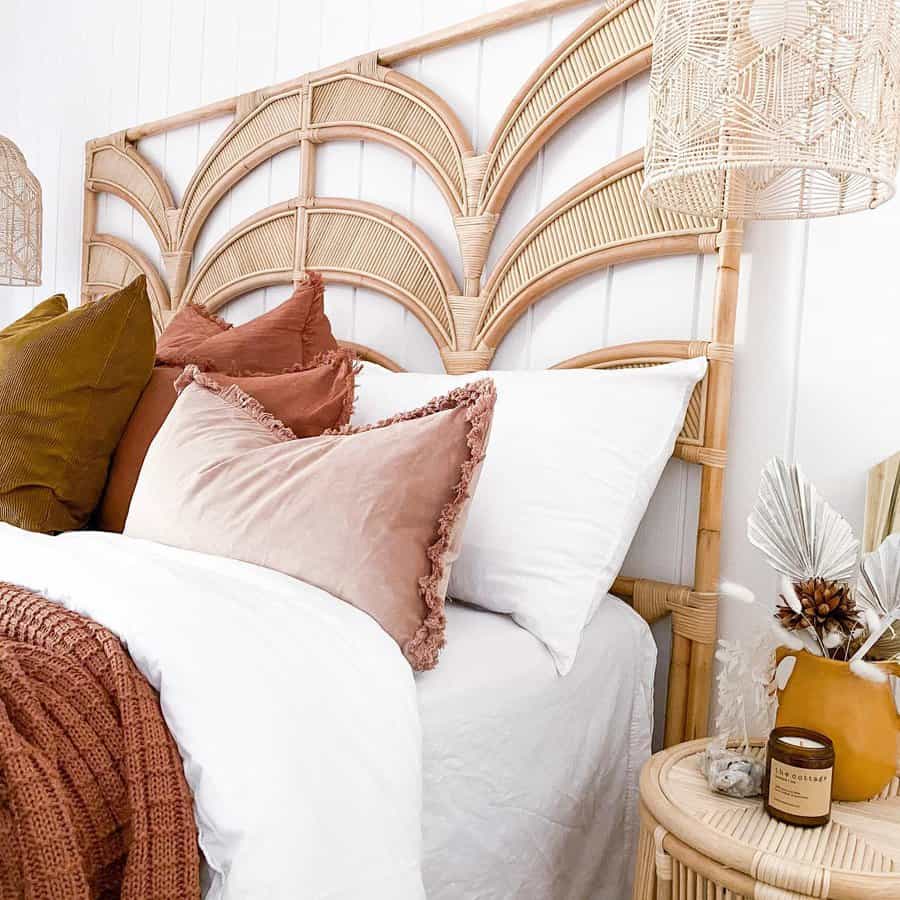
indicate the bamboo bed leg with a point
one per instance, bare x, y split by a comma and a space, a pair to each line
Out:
677, 692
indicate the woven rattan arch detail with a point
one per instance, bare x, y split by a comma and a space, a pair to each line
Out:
396, 110
363, 244
611, 47
257, 253
262, 128
598, 223
113, 263
114, 165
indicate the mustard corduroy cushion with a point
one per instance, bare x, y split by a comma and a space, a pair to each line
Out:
49, 309
68, 384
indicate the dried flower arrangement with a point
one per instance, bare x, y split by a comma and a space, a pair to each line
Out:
832, 604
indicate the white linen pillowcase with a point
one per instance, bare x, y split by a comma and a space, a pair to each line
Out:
574, 458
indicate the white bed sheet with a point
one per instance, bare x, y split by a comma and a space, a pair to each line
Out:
530, 780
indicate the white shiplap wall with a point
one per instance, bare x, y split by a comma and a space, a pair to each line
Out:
816, 377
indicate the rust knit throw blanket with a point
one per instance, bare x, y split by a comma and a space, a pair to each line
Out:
93, 799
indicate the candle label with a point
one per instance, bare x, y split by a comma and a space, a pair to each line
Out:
803, 792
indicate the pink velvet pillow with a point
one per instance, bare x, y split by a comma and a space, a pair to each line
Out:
309, 399
373, 515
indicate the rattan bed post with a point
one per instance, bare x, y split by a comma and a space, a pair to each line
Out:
306, 187
89, 226
694, 629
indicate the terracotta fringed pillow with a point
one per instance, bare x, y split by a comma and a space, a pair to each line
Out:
308, 399
373, 515
293, 333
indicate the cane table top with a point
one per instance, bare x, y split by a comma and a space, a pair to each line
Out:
855, 855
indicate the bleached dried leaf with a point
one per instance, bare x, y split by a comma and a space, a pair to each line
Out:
798, 532
790, 595
879, 576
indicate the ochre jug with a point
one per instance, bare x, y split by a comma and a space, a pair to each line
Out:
859, 715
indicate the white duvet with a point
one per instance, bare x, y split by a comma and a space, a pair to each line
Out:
295, 715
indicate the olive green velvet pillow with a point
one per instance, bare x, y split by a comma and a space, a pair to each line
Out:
68, 384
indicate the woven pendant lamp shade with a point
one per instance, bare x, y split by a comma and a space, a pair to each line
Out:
773, 109
20, 218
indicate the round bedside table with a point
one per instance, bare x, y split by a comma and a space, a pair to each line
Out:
697, 845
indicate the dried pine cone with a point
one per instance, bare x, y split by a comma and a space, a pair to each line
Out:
827, 605
828, 601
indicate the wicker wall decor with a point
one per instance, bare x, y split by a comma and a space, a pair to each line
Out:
20, 218
771, 109
598, 223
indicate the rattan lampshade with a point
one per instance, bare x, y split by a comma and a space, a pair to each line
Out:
773, 109
20, 218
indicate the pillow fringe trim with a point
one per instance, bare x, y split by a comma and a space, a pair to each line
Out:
201, 310
325, 358
479, 397
234, 396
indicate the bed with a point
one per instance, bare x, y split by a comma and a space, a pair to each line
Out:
521, 768
528, 781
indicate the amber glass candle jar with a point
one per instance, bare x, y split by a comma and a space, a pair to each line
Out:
799, 770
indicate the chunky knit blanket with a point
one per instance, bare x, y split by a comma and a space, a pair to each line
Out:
93, 799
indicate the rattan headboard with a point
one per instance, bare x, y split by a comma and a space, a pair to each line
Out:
600, 222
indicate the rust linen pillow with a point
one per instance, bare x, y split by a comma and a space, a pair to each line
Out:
309, 400
68, 383
190, 326
294, 332
373, 515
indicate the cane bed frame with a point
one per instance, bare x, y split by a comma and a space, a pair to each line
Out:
598, 223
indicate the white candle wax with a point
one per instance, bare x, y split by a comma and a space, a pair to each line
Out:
802, 742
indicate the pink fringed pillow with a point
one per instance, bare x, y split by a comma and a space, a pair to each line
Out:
373, 515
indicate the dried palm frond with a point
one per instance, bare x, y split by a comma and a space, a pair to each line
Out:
879, 576
879, 590
800, 535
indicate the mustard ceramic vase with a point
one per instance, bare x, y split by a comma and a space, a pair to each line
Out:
859, 716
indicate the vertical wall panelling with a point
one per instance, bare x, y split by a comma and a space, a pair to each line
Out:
573, 154
816, 373
218, 79
386, 178
344, 32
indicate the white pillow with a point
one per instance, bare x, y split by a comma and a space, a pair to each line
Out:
573, 458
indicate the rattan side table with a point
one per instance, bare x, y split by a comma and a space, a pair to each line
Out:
697, 845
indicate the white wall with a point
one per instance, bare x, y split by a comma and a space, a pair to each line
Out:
817, 375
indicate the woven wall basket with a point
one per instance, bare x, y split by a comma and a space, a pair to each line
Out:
769, 109
20, 218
